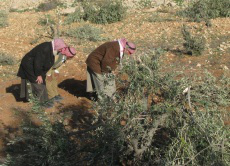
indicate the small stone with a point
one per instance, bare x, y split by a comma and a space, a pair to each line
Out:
221, 49
68, 11
225, 68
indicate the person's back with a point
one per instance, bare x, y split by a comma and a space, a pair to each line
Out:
37, 62
104, 56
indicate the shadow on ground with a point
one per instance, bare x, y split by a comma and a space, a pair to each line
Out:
177, 52
54, 136
9, 133
75, 87
15, 90
78, 116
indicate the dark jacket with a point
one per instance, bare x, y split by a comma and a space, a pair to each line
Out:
105, 58
37, 62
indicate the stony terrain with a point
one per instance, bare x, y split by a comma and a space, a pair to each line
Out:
15, 40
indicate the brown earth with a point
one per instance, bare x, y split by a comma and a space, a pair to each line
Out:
23, 28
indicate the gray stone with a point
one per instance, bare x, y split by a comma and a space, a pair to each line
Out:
68, 10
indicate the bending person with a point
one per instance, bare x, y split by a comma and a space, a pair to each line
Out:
34, 66
102, 62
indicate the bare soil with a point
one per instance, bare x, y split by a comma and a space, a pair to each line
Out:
23, 28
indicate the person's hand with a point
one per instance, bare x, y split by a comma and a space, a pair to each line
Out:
39, 80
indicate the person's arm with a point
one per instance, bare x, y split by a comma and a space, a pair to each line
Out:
56, 70
48, 74
59, 61
38, 64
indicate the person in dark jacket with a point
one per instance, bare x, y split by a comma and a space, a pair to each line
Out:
102, 62
34, 66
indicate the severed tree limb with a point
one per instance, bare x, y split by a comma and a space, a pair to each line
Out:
149, 134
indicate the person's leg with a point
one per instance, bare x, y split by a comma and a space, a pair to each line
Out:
109, 85
98, 82
55, 86
51, 86
93, 85
29, 92
23, 88
105, 83
101, 83
40, 92
25, 85
89, 82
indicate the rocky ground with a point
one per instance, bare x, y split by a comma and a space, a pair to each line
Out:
15, 41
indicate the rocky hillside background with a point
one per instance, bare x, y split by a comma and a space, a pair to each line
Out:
151, 25
30, 4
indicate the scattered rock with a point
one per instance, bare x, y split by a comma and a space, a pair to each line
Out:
224, 67
221, 49
68, 11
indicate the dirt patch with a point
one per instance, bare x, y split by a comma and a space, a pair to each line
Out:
15, 40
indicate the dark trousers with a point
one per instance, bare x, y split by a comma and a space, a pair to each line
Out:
29, 90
